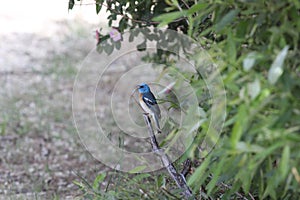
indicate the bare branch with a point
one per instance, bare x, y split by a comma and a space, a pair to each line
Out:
177, 177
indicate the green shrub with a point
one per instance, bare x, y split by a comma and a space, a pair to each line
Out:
256, 47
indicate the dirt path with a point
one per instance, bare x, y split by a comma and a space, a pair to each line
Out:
40, 150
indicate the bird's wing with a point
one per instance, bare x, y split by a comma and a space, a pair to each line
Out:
149, 99
155, 109
151, 102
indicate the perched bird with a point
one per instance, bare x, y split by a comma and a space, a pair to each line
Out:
149, 104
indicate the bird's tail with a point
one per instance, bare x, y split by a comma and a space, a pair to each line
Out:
156, 121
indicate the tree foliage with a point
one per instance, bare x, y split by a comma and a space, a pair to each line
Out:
256, 46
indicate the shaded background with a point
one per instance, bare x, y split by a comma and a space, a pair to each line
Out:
41, 46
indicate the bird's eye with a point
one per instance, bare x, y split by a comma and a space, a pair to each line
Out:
141, 86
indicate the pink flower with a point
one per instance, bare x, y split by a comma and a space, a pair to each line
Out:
115, 35
98, 37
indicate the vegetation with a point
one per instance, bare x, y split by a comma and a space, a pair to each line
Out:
256, 47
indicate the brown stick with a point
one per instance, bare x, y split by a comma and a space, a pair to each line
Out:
177, 177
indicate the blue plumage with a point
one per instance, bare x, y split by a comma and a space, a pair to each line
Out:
149, 103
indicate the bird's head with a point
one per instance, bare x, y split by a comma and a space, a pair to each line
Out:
143, 88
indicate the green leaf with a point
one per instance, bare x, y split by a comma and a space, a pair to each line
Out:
277, 66
216, 174
118, 45
239, 125
98, 5
98, 180
249, 61
140, 177
231, 46
131, 36
108, 48
71, 4
198, 177
227, 19
196, 8
79, 184
262, 155
270, 190
261, 183
142, 46
254, 89
99, 49
137, 169
161, 181
249, 148
167, 18
284, 162
191, 25
98, 8
244, 175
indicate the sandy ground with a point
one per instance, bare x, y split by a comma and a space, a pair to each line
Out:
41, 44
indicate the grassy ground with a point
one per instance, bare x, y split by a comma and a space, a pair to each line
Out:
41, 154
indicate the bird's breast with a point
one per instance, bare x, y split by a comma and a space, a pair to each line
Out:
144, 105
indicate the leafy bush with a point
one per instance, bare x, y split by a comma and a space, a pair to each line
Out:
256, 47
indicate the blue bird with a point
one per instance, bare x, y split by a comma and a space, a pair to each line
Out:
149, 103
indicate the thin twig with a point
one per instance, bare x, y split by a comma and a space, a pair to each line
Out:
187, 5
180, 9
251, 196
177, 177
186, 167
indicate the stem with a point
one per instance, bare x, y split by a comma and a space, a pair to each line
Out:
177, 177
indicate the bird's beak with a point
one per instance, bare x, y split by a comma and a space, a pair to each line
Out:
138, 86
